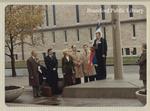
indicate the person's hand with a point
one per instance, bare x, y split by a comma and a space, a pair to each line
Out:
44, 78
103, 55
96, 65
73, 72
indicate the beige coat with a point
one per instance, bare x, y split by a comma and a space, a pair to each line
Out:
88, 69
77, 60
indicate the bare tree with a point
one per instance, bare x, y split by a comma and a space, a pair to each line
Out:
20, 20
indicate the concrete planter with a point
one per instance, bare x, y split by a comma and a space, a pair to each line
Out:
141, 97
13, 92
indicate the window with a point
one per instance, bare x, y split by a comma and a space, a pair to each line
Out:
91, 35
46, 12
78, 38
104, 32
44, 54
103, 12
127, 51
133, 28
54, 15
53, 33
42, 37
16, 56
122, 51
134, 52
65, 32
130, 11
77, 13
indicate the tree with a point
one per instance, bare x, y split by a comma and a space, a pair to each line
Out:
20, 23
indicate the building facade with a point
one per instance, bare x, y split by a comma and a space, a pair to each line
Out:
65, 25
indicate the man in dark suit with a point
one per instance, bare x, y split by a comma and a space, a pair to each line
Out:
100, 45
52, 66
32, 66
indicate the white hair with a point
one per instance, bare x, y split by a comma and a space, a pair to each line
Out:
99, 31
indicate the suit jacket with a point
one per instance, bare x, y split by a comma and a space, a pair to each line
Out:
100, 48
142, 64
51, 63
52, 66
32, 66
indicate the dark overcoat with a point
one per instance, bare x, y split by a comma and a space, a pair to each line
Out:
43, 75
52, 66
68, 69
32, 66
100, 50
142, 64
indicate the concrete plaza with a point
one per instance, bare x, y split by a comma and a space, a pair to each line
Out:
131, 82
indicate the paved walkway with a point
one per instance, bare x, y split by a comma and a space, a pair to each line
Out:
26, 97
27, 100
23, 80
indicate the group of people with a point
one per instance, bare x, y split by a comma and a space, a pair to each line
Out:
90, 63
39, 74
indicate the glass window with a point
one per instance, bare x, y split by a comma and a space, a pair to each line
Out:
46, 12
77, 13
91, 35
127, 51
44, 54
53, 33
103, 12
134, 52
54, 15
66, 39
16, 56
78, 36
130, 11
104, 32
133, 28
122, 51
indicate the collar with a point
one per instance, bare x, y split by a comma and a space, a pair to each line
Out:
33, 57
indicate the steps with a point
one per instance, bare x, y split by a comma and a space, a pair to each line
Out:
102, 89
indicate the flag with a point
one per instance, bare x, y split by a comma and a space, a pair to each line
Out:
98, 25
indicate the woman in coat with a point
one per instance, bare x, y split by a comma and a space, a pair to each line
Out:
77, 60
91, 68
85, 57
88, 67
142, 64
67, 68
